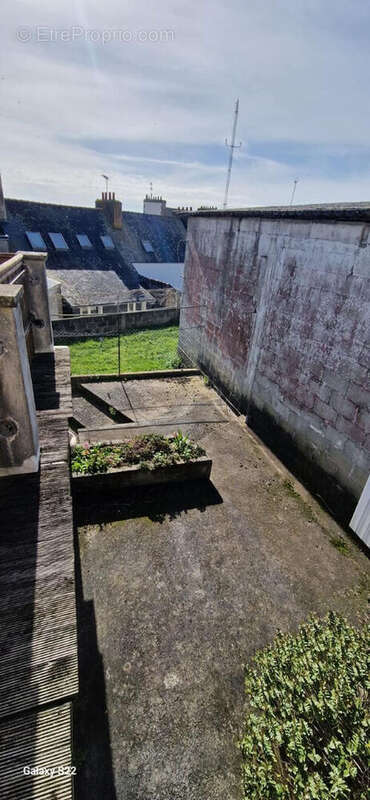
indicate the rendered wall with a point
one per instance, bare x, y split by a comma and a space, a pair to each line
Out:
282, 324
106, 324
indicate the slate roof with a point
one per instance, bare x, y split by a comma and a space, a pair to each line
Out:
94, 287
165, 234
24, 215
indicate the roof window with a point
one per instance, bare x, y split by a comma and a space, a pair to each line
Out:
148, 247
36, 241
83, 241
58, 241
107, 242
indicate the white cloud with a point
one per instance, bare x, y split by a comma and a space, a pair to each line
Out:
300, 68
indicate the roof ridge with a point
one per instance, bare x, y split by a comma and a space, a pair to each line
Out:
57, 205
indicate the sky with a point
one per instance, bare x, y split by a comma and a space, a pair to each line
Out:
144, 92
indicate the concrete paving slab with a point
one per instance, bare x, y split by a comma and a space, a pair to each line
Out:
112, 393
186, 583
180, 413
87, 415
173, 391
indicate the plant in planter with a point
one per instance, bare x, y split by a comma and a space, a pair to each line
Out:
149, 451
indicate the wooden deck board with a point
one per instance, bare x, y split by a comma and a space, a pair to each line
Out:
38, 638
41, 739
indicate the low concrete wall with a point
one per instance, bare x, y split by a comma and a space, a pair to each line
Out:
114, 481
277, 313
106, 324
77, 380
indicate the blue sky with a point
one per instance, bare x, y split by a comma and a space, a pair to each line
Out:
145, 92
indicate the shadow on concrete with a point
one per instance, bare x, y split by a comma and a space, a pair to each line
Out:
159, 502
327, 490
91, 738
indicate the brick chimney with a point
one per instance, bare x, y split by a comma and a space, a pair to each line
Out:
111, 208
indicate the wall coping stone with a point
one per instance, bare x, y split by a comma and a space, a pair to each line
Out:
10, 294
336, 212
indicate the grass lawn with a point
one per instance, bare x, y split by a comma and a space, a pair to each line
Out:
152, 348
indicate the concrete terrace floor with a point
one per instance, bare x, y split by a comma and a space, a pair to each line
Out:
179, 586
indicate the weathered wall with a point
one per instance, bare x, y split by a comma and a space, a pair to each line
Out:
281, 323
55, 298
105, 325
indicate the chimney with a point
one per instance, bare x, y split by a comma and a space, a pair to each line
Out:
154, 205
111, 208
2, 203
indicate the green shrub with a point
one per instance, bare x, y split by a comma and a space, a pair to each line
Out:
307, 718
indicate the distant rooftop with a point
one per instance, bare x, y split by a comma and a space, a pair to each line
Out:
58, 225
91, 287
352, 212
89, 241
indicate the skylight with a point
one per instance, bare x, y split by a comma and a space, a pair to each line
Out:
83, 240
148, 247
36, 241
59, 241
107, 242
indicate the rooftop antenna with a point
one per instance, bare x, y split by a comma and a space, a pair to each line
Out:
293, 191
151, 189
232, 147
106, 182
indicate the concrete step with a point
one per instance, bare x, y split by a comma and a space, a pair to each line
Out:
119, 433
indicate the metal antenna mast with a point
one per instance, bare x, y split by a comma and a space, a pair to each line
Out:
293, 192
106, 178
232, 147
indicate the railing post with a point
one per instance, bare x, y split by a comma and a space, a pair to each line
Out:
19, 440
38, 302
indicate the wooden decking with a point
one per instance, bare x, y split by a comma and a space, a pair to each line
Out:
38, 640
43, 740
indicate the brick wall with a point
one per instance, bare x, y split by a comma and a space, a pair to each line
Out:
282, 325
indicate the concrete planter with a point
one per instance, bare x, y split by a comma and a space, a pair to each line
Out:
117, 479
